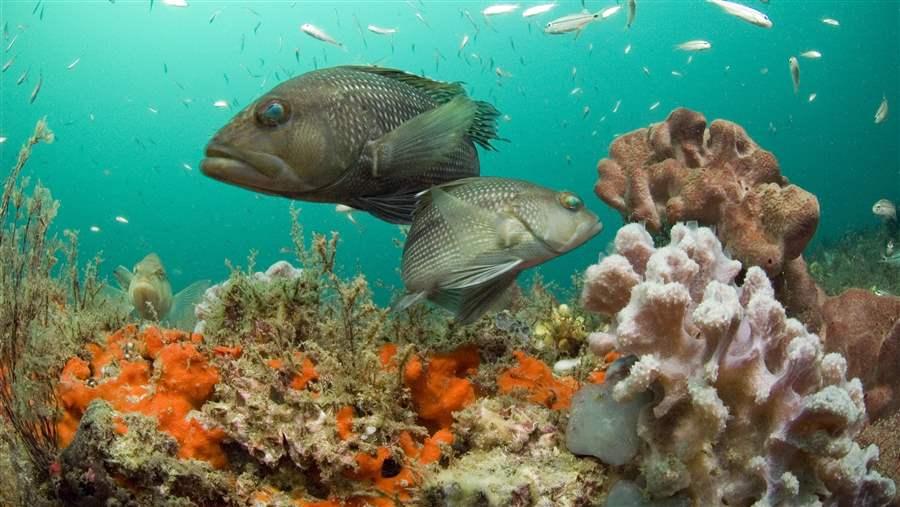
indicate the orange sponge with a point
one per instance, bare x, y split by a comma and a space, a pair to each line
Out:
160, 374
537, 380
439, 388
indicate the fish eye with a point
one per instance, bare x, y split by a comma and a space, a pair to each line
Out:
570, 201
272, 113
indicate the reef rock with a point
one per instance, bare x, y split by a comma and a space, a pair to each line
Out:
751, 409
865, 328
679, 171
281, 270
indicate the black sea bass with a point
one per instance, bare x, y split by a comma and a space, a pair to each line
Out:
471, 238
368, 137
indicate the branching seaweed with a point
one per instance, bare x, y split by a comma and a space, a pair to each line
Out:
47, 308
26, 297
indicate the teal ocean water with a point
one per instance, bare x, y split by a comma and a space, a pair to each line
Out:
130, 93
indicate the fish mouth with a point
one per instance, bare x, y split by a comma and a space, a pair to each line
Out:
258, 171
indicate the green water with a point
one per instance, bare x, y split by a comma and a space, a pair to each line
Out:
116, 157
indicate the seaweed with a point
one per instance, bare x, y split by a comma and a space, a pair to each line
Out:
47, 309
855, 260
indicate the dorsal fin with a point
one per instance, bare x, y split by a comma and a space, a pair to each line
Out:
484, 127
439, 91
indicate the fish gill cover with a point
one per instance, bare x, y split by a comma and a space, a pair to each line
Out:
768, 121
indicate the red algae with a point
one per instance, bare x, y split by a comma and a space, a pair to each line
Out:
157, 373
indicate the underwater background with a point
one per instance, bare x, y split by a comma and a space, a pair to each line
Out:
133, 115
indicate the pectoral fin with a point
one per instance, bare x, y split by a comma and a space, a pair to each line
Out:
408, 300
484, 269
394, 208
117, 299
423, 141
182, 315
123, 277
471, 303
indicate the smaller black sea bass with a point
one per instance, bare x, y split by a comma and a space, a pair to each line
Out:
368, 137
471, 238
147, 291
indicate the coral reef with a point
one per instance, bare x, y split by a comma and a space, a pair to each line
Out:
678, 171
748, 407
301, 391
512, 458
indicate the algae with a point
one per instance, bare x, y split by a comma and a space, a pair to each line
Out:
855, 260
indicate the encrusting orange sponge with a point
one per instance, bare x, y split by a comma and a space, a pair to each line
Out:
439, 387
536, 379
157, 373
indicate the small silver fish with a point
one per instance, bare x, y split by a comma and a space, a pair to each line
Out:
462, 44
380, 30
317, 33
795, 72
694, 45
537, 10
748, 14
610, 11
571, 23
12, 42
812, 54
8, 64
73, 64
632, 12
494, 10
471, 238
22, 77
882, 113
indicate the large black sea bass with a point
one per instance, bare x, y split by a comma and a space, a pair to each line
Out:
368, 137
471, 238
